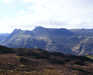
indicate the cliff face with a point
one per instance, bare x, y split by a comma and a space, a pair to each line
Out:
77, 42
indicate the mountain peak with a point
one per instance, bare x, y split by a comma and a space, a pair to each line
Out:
17, 30
39, 28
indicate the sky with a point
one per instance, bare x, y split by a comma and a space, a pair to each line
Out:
28, 14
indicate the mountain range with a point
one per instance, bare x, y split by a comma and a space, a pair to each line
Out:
67, 41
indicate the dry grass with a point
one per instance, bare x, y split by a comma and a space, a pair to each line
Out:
10, 65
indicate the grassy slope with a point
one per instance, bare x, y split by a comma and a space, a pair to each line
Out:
38, 62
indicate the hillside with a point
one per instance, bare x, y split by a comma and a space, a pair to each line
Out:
3, 36
28, 61
75, 41
6, 50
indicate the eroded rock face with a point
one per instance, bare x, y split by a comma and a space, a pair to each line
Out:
76, 42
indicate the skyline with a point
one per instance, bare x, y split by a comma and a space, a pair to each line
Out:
28, 14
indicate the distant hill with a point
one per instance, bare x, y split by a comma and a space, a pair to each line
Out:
74, 41
3, 36
83, 32
4, 50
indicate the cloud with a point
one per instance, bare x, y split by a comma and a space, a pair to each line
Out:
49, 13
44, 11
27, 1
8, 1
55, 12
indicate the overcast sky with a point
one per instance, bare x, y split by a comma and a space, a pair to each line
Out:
27, 14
